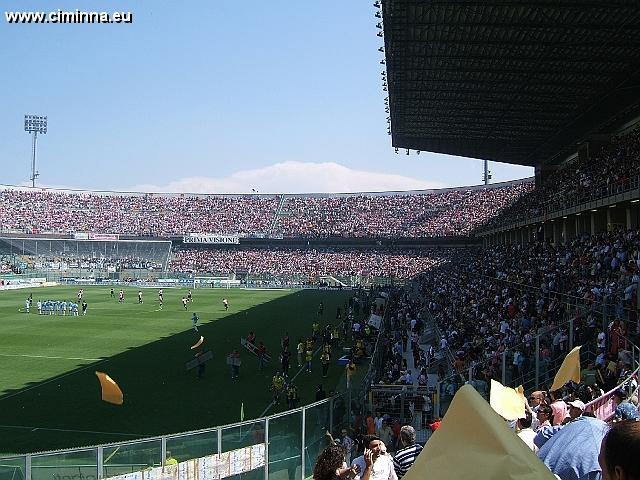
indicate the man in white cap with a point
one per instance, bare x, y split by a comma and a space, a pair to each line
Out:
576, 409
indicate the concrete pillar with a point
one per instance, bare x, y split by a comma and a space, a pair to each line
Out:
548, 231
633, 214
599, 220
616, 216
627, 212
564, 238
556, 228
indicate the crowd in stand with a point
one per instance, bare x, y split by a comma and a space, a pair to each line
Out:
65, 262
557, 426
6, 266
447, 213
613, 170
309, 262
500, 299
35, 211
452, 212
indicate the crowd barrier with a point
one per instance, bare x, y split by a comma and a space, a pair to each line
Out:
280, 446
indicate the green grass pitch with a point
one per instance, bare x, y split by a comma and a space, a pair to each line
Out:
50, 395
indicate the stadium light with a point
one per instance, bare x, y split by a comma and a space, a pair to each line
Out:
34, 124
486, 176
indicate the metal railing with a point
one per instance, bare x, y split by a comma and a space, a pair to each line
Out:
292, 440
549, 207
580, 321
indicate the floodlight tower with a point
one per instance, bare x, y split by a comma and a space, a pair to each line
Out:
34, 124
487, 173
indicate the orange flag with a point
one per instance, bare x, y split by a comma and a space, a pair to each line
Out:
569, 370
110, 391
198, 343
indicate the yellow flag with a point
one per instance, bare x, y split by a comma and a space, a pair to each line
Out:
198, 343
473, 443
569, 370
509, 403
110, 391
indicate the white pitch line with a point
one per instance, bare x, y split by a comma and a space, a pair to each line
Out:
55, 379
33, 429
50, 358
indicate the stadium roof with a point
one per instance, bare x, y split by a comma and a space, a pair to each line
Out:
509, 81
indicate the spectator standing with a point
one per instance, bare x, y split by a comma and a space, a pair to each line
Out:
371, 424
300, 351
234, 361
284, 360
376, 463
386, 434
325, 358
406, 456
308, 357
347, 444
350, 370
331, 464
558, 407
526, 433
262, 355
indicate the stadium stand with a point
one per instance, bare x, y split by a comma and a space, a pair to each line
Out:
614, 170
490, 308
450, 212
44, 211
461, 82
309, 262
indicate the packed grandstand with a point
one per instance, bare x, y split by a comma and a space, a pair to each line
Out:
450, 212
500, 282
394, 216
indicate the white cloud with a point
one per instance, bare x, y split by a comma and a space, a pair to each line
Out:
294, 177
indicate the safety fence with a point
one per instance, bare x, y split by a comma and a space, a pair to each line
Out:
289, 442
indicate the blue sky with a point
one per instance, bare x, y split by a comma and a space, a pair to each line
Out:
207, 96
